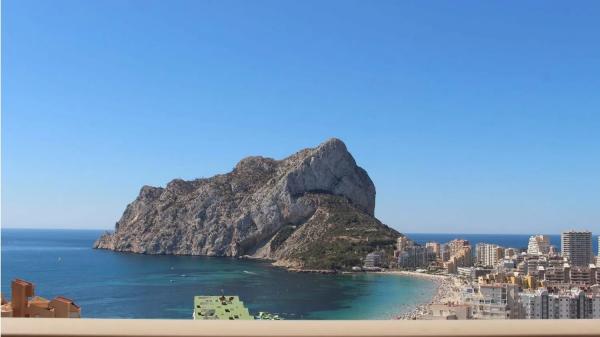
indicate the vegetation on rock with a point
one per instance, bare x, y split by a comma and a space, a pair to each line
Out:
312, 210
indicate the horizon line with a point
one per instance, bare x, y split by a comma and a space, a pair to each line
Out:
408, 232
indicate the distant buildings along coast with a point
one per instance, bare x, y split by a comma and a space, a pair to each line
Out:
539, 282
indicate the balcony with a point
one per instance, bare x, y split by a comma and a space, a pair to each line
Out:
51, 327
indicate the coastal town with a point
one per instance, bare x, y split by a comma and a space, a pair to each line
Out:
494, 282
488, 282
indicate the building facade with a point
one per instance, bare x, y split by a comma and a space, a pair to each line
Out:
576, 246
560, 304
434, 248
374, 259
488, 254
538, 245
493, 301
414, 257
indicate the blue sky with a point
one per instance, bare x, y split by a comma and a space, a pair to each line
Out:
470, 116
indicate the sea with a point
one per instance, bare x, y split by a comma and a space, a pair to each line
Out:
108, 284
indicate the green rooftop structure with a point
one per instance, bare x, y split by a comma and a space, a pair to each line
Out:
220, 307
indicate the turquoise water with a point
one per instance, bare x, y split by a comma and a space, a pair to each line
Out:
108, 284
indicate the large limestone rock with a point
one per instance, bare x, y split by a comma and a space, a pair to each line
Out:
313, 209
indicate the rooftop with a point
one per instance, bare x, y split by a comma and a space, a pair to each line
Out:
220, 307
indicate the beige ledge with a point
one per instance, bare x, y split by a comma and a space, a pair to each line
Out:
24, 327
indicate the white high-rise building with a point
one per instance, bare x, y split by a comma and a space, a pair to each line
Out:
538, 245
488, 254
577, 247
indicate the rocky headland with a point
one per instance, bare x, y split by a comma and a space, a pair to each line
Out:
311, 210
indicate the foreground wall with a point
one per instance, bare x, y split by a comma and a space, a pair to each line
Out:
24, 327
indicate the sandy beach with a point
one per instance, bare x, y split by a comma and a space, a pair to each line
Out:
448, 291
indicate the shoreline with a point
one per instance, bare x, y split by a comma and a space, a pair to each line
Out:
443, 292
448, 288
415, 274
447, 291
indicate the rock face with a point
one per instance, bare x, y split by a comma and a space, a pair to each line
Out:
312, 210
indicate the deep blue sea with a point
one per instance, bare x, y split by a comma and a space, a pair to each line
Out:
109, 284
117, 285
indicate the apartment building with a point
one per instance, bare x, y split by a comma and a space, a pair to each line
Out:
560, 304
473, 273
488, 254
403, 243
556, 275
598, 257
534, 304
538, 245
576, 246
553, 274
462, 259
511, 253
460, 255
505, 265
415, 257
444, 252
434, 248
583, 275
493, 301
457, 246
374, 259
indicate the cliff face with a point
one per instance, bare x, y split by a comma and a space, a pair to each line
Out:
313, 209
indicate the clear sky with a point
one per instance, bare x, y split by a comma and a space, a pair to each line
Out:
469, 116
